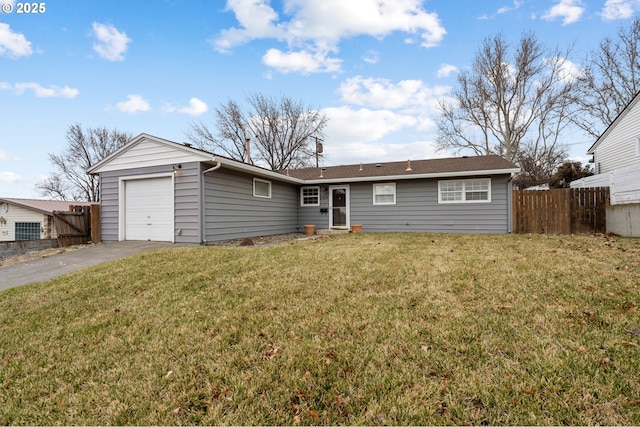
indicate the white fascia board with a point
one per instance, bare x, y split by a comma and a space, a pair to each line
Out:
415, 176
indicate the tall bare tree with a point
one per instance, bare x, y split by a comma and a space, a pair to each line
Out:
283, 131
609, 81
70, 181
510, 99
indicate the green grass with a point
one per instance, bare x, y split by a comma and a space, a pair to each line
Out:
354, 329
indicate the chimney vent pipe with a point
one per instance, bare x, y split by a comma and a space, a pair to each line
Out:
248, 148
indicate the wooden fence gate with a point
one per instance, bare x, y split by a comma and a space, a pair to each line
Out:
73, 227
563, 211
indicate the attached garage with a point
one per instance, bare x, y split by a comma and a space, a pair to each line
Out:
147, 208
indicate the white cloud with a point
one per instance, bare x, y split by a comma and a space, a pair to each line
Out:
619, 9
352, 153
13, 45
569, 10
41, 91
567, 71
9, 177
312, 28
257, 20
111, 44
371, 57
505, 9
382, 93
196, 108
303, 62
363, 125
5, 156
446, 70
570, 71
133, 104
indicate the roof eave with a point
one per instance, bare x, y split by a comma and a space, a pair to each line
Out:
413, 176
27, 206
256, 170
613, 124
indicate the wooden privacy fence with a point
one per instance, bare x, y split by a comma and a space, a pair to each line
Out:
77, 226
563, 211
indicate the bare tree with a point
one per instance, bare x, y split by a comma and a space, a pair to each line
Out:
283, 131
610, 81
508, 101
233, 130
84, 148
538, 166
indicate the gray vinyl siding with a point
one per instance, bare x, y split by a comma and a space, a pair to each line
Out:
186, 200
417, 209
313, 214
187, 204
232, 212
109, 205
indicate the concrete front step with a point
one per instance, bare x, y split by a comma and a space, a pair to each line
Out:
329, 232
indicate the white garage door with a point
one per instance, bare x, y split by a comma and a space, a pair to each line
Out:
149, 209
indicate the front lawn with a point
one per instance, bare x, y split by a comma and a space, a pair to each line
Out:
353, 329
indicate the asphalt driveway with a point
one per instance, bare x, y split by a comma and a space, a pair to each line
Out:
66, 262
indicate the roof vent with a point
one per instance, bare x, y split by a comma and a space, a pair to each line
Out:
409, 166
322, 170
360, 166
378, 165
186, 144
465, 157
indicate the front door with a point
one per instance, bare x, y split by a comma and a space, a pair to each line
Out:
339, 207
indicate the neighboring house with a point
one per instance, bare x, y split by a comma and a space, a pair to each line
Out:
616, 156
28, 219
541, 187
619, 145
154, 189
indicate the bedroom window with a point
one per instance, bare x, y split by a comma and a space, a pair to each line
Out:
261, 188
464, 191
310, 196
384, 194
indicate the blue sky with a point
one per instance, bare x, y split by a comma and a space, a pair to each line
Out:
375, 68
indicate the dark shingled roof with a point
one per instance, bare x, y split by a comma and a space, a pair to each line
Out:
418, 167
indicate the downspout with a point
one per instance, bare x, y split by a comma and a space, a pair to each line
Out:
510, 204
203, 238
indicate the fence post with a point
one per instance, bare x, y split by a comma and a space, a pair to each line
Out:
95, 223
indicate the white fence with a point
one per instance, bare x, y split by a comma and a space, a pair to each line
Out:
624, 184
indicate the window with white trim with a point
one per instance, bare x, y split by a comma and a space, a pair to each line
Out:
261, 188
384, 194
310, 196
464, 191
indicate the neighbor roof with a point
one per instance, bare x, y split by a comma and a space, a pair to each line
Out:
410, 169
44, 206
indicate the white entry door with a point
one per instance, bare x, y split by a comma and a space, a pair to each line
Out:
149, 209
